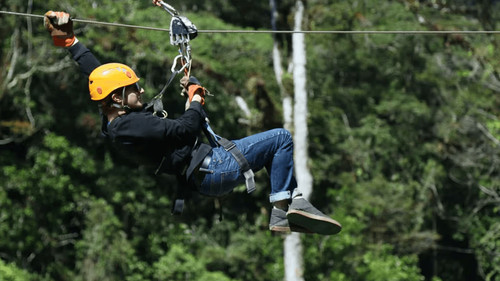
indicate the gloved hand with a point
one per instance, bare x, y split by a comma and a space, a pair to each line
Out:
60, 27
193, 87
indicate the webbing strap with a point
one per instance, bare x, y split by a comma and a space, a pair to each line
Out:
178, 207
157, 102
242, 162
181, 194
212, 137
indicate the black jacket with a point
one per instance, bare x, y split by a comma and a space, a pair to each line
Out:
150, 140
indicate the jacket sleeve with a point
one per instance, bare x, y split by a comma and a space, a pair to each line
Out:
84, 57
144, 125
189, 124
184, 129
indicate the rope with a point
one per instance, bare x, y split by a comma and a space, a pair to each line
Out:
409, 32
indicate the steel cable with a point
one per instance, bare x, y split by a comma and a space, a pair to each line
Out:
409, 32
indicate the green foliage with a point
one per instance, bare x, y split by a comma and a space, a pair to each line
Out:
409, 136
378, 265
179, 264
41, 202
404, 135
104, 251
9, 272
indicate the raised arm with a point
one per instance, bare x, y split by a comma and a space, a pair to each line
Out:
60, 27
84, 57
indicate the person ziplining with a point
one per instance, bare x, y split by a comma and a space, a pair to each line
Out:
142, 133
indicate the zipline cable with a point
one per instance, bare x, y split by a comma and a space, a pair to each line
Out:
409, 32
90, 21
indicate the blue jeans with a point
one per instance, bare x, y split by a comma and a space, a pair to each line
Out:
272, 150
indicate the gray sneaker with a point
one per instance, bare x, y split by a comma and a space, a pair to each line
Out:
304, 214
279, 223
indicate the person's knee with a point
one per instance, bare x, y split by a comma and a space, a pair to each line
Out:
286, 136
287, 133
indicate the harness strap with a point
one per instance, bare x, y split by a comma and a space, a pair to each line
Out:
218, 206
180, 195
229, 146
210, 134
157, 102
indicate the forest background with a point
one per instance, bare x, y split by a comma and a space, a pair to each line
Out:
404, 144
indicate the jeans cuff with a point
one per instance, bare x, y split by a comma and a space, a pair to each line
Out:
282, 195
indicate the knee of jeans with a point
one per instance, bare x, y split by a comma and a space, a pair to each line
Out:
286, 136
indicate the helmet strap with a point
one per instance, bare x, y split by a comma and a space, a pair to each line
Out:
112, 103
124, 106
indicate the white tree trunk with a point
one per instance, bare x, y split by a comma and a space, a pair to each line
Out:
294, 262
286, 98
278, 73
304, 178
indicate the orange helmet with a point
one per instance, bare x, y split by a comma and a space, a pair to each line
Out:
108, 77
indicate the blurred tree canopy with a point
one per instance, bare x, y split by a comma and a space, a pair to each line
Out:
404, 145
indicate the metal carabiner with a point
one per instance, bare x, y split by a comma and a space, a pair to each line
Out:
161, 114
174, 64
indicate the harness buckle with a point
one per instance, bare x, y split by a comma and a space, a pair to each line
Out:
231, 146
178, 207
249, 180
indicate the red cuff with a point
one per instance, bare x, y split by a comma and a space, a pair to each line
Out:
193, 89
63, 42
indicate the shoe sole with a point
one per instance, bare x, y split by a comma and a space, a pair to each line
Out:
289, 229
280, 228
314, 223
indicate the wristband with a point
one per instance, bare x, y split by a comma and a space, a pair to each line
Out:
64, 42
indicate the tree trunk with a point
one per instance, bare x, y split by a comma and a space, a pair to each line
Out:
304, 178
278, 72
294, 262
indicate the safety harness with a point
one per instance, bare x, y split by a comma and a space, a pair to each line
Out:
229, 146
182, 30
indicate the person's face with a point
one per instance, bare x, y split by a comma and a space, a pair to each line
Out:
133, 96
